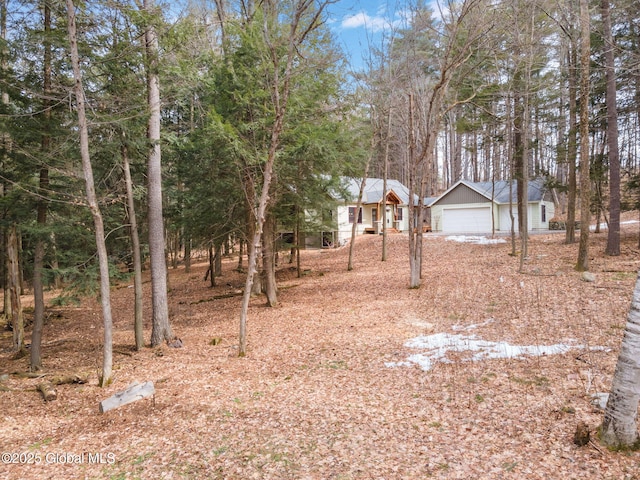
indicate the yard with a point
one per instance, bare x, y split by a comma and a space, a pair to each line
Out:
332, 387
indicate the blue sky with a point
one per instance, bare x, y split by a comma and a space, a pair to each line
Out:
358, 24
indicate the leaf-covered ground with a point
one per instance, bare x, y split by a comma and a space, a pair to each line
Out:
326, 391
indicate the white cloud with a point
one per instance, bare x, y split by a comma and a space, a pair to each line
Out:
363, 19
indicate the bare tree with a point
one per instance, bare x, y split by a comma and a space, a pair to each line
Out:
280, 90
461, 33
107, 359
354, 225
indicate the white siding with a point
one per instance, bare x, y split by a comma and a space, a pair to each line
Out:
505, 218
534, 216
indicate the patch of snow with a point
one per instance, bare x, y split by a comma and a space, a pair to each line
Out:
437, 346
605, 226
475, 239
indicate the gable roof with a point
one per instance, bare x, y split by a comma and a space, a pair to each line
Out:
501, 190
373, 189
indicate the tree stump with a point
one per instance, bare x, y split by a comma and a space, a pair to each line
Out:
582, 435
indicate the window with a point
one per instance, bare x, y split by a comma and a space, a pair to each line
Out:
399, 215
352, 214
543, 210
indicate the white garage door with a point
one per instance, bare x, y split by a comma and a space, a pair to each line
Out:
466, 220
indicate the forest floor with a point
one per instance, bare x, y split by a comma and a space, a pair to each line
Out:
333, 387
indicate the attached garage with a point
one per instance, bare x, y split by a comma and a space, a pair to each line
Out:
466, 220
466, 207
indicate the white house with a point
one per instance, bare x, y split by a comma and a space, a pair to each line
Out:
484, 207
368, 218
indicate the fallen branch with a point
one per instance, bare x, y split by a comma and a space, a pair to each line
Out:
134, 392
69, 379
217, 297
48, 392
29, 374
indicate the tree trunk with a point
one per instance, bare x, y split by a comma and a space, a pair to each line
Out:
42, 208
217, 267
135, 247
572, 145
241, 242
6, 304
187, 253
38, 287
105, 297
619, 428
250, 193
161, 328
385, 174
521, 163
414, 264
585, 180
613, 236
211, 270
295, 249
269, 262
17, 319
354, 227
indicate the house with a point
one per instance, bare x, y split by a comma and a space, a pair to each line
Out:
484, 207
368, 218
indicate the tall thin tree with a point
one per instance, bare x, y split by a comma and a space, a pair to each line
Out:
613, 236
585, 178
42, 207
135, 247
107, 359
161, 328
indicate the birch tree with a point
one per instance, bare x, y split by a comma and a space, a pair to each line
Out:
619, 427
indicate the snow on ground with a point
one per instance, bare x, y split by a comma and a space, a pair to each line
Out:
605, 225
437, 346
475, 239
